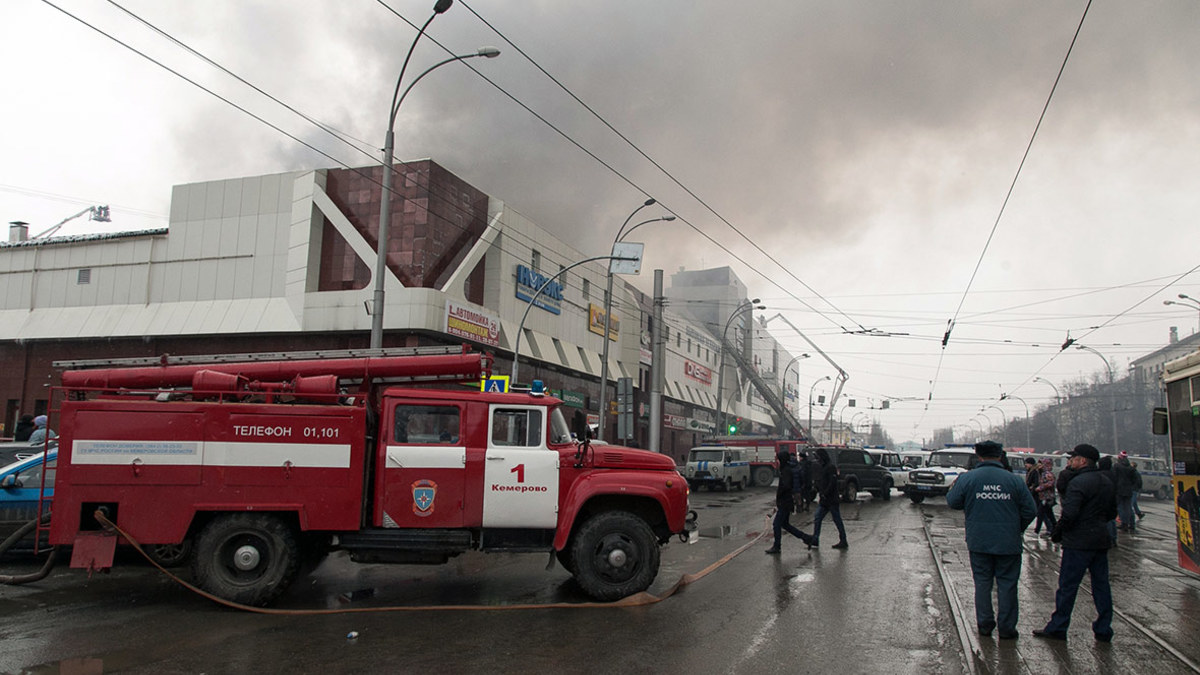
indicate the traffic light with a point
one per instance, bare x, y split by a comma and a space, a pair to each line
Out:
734, 426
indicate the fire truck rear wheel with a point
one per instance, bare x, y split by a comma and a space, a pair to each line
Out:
763, 476
615, 555
246, 558
170, 555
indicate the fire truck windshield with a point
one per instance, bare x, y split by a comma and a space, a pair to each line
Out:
559, 431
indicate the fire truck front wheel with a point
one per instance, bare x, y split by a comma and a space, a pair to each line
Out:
247, 558
615, 554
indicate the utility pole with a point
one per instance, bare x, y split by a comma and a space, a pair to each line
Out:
657, 370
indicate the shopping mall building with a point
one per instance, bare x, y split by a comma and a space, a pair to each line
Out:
285, 262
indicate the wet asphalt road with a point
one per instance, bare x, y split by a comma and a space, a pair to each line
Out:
880, 606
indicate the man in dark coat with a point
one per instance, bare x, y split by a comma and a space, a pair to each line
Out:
1090, 502
828, 499
24, 428
1124, 472
785, 502
998, 507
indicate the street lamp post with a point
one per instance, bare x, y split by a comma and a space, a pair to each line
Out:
1004, 422
783, 378
608, 313
810, 397
385, 202
981, 433
1112, 390
1193, 303
1004, 397
741, 309
990, 426
534, 297
1057, 407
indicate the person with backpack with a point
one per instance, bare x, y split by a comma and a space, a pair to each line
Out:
785, 502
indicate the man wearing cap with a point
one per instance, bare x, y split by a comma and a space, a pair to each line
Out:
998, 507
1090, 502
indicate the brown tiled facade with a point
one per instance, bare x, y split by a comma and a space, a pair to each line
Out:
435, 217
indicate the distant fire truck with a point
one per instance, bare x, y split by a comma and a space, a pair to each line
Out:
263, 466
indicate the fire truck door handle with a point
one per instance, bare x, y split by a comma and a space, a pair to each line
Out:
137, 466
494, 458
287, 469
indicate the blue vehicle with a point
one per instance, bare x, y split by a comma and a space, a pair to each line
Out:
20, 488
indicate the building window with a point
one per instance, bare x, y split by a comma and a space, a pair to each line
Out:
535, 260
587, 289
84, 277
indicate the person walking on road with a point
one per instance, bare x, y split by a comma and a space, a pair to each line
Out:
785, 502
998, 507
1137, 487
1044, 495
1090, 503
828, 499
1123, 471
1106, 467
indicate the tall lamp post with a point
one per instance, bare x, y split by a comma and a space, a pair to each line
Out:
1193, 303
990, 426
1005, 397
810, 398
1058, 406
1004, 422
389, 144
783, 378
981, 433
1108, 367
608, 312
741, 309
533, 298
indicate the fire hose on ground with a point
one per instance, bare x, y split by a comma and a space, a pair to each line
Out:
15, 579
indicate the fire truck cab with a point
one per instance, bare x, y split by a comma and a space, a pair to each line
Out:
259, 477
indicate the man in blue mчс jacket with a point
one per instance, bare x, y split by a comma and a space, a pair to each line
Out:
998, 507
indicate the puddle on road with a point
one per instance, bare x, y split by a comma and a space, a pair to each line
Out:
719, 532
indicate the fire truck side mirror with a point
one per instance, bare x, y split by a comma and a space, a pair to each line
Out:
1158, 422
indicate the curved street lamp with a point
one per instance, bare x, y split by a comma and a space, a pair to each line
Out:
389, 143
521, 327
1057, 408
750, 305
1004, 422
1108, 367
783, 378
608, 312
1005, 397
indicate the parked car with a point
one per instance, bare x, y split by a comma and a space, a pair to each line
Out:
20, 487
857, 470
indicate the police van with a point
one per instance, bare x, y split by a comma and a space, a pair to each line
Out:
894, 464
717, 466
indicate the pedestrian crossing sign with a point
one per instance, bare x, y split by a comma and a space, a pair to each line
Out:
497, 384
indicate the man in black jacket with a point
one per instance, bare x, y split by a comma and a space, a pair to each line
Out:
785, 502
828, 499
1090, 502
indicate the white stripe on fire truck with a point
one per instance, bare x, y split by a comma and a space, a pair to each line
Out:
212, 453
427, 456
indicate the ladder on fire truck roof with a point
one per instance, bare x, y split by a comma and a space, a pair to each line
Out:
201, 359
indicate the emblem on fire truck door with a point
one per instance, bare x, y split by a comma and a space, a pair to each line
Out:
424, 492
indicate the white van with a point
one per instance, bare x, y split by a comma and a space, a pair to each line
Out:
717, 466
894, 464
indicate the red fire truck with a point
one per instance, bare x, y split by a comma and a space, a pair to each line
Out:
262, 466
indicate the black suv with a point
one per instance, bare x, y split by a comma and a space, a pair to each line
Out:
857, 470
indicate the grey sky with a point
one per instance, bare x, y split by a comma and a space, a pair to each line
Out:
868, 146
